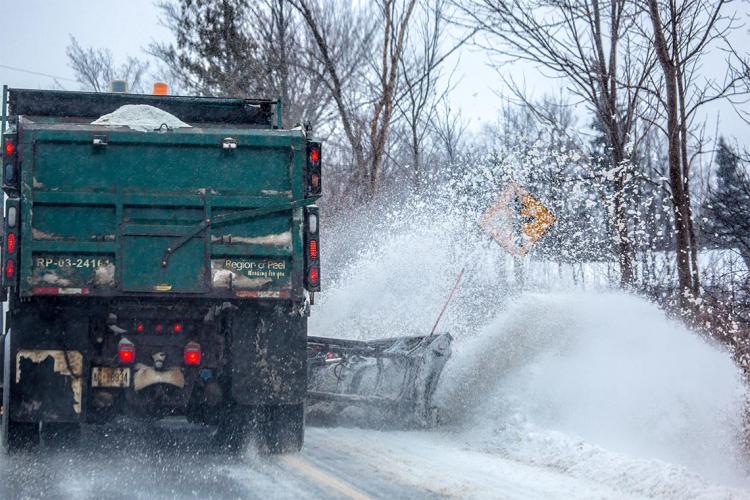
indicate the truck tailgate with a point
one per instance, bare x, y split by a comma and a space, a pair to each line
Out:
171, 212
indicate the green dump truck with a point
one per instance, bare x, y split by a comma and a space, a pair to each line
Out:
158, 270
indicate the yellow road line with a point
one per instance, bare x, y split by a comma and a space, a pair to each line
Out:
323, 478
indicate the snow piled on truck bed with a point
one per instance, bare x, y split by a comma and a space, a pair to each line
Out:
140, 117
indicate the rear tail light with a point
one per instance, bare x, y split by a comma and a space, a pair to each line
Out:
140, 328
177, 328
314, 153
192, 354
313, 169
313, 277
10, 163
312, 250
10, 269
126, 352
10, 243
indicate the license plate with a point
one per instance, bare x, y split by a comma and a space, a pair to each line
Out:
110, 377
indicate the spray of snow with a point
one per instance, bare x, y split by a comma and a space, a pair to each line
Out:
600, 385
596, 384
140, 117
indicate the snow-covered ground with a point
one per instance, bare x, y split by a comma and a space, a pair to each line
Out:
454, 465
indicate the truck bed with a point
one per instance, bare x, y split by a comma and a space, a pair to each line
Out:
112, 211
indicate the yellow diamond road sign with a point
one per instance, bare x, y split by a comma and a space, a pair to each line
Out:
517, 220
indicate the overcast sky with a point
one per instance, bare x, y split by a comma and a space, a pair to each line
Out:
35, 33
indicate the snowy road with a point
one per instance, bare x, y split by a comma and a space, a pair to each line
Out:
169, 461
578, 403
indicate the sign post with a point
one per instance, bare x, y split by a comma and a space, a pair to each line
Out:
516, 221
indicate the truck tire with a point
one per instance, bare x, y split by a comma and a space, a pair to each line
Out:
20, 435
61, 435
283, 429
234, 430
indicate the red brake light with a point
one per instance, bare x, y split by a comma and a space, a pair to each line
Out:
140, 328
192, 354
10, 269
314, 155
177, 328
126, 352
314, 275
313, 249
10, 148
10, 242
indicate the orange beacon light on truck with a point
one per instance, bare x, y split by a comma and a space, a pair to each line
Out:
160, 88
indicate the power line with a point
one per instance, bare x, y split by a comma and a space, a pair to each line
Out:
12, 68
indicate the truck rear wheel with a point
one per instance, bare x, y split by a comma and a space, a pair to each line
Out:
234, 430
20, 435
61, 435
283, 428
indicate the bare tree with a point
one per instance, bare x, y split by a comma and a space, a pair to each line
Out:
286, 54
342, 36
591, 45
420, 94
682, 33
95, 68
393, 24
448, 129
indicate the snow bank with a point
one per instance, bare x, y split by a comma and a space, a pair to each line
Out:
140, 117
583, 381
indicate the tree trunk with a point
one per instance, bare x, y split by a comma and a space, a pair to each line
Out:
608, 113
283, 62
336, 86
416, 157
679, 203
694, 270
625, 246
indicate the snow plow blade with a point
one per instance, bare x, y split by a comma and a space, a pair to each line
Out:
379, 383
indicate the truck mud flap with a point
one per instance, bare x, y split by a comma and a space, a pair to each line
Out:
267, 356
381, 383
47, 386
